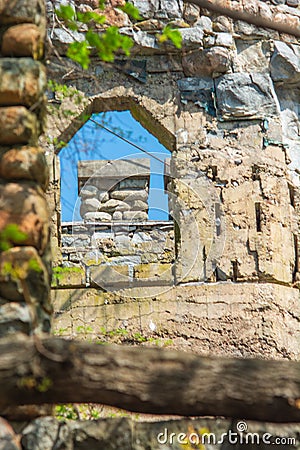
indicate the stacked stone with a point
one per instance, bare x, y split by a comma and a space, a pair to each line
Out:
112, 195
24, 218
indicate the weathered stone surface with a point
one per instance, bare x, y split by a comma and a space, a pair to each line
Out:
130, 195
18, 126
138, 205
243, 95
88, 191
24, 204
191, 12
89, 205
285, 63
22, 11
23, 81
192, 37
147, 8
209, 62
8, 438
24, 278
45, 433
97, 216
113, 205
15, 317
27, 163
198, 90
23, 40
135, 215
293, 3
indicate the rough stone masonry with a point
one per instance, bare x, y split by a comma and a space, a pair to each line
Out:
226, 106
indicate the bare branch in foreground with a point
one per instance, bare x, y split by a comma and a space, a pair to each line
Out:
148, 380
246, 17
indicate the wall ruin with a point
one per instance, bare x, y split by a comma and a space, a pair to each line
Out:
227, 109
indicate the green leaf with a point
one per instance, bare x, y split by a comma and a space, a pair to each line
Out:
102, 4
131, 11
91, 16
66, 12
79, 52
171, 34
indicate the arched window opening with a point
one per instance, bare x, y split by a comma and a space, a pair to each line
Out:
115, 205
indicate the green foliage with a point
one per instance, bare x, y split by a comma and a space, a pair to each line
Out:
84, 329
109, 41
10, 236
172, 34
58, 271
131, 11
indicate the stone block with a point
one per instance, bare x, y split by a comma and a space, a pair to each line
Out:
135, 216
192, 37
155, 273
97, 217
23, 40
147, 8
245, 95
199, 91
130, 195
18, 126
27, 163
24, 204
285, 63
69, 276
24, 277
15, 317
22, 81
106, 276
216, 60
22, 11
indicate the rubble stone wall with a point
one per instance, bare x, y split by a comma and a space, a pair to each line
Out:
24, 218
226, 106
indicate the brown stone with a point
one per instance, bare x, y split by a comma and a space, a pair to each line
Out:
27, 163
22, 81
22, 11
8, 438
24, 204
23, 40
23, 277
206, 62
17, 125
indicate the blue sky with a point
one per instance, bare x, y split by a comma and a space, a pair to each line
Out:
92, 142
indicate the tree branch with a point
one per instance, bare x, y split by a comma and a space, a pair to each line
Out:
148, 380
246, 17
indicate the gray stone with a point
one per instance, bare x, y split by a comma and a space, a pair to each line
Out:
204, 23
135, 216
147, 8
198, 90
293, 3
46, 433
278, 2
224, 39
215, 60
14, 317
191, 12
133, 183
244, 95
117, 215
103, 197
192, 37
98, 217
138, 205
75, 240
171, 7
8, 438
130, 195
113, 205
89, 205
88, 192
140, 237
145, 40
285, 63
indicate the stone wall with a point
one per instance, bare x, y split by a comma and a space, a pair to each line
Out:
24, 219
226, 105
